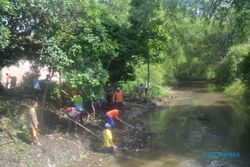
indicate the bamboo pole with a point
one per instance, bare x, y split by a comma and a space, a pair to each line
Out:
67, 117
64, 92
135, 104
127, 124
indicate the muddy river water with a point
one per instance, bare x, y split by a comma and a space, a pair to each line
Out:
200, 128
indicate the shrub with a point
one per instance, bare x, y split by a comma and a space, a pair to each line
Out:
229, 70
236, 88
245, 70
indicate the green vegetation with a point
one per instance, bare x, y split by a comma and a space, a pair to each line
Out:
15, 123
236, 88
126, 43
154, 42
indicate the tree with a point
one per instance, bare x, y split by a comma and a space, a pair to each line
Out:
148, 31
120, 64
229, 70
56, 60
87, 44
221, 9
4, 31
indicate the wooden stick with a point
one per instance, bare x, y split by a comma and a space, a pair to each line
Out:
131, 126
135, 104
81, 126
64, 92
127, 124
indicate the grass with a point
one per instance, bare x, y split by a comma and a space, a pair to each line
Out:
237, 88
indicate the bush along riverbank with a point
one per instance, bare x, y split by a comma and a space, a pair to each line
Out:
59, 149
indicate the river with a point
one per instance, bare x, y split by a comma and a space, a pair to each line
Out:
202, 127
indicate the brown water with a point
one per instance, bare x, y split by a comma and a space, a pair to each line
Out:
199, 120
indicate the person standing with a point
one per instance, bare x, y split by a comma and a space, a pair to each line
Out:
8, 80
13, 82
108, 142
90, 107
78, 102
33, 123
109, 96
140, 90
118, 98
36, 87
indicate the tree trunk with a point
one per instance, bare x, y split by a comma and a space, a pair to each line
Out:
148, 80
48, 79
61, 87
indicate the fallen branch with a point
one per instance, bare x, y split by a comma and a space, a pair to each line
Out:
6, 131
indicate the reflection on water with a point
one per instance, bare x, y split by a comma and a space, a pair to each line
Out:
200, 120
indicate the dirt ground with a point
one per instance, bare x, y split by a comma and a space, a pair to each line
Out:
59, 149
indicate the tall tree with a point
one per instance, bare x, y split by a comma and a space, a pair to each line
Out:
115, 19
147, 18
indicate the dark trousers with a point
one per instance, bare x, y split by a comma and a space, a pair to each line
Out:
71, 123
118, 105
110, 120
36, 94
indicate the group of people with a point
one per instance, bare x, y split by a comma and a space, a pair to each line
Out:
110, 120
77, 111
111, 117
115, 102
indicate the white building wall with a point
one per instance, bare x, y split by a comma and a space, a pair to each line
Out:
22, 68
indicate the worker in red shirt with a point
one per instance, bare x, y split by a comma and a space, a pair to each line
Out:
112, 115
74, 116
118, 98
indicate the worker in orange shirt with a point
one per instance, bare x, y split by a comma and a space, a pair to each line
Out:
112, 116
118, 98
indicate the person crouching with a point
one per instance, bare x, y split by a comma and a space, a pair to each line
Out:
112, 116
74, 115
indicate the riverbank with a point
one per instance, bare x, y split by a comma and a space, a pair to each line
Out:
61, 150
